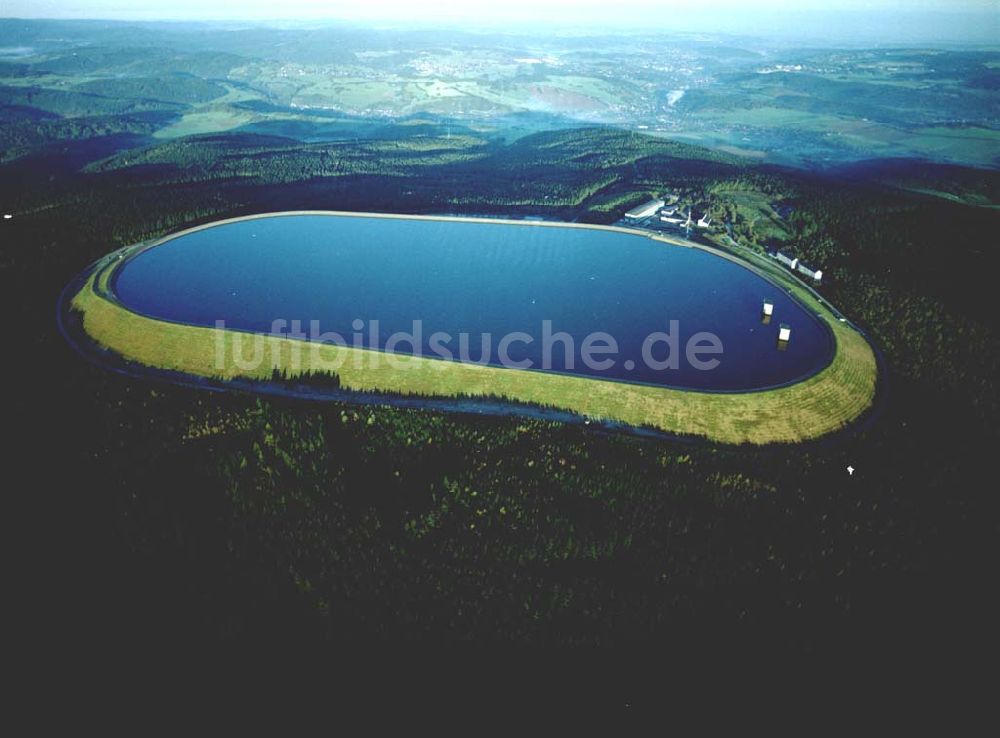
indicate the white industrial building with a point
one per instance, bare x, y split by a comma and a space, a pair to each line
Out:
816, 274
789, 261
645, 210
796, 265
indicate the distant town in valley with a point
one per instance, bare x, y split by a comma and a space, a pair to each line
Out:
766, 101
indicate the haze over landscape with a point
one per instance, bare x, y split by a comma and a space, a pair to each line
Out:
775, 97
890, 21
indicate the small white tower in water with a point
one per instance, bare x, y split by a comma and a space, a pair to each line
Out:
784, 333
766, 311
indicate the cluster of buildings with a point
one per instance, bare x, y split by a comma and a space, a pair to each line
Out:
670, 214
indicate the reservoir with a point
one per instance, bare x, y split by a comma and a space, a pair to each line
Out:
366, 278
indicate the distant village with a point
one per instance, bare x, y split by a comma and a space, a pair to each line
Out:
667, 215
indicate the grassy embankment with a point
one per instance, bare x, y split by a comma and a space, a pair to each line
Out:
834, 397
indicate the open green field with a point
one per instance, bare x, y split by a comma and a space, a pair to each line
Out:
831, 399
756, 210
209, 119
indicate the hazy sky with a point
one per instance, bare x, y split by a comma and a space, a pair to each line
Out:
974, 20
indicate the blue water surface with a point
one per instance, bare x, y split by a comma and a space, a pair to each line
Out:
478, 278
